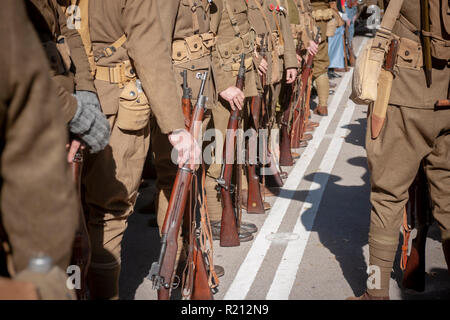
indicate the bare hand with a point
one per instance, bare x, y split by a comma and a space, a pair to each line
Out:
263, 66
72, 149
291, 75
234, 96
188, 149
313, 48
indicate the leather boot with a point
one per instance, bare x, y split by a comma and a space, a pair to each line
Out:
367, 296
321, 110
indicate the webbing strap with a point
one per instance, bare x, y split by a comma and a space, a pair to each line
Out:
233, 19
391, 15
109, 51
277, 23
195, 24
266, 21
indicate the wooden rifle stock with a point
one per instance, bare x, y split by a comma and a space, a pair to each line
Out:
186, 104
285, 139
298, 126
162, 271
349, 52
201, 289
254, 199
81, 252
419, 213
229, 236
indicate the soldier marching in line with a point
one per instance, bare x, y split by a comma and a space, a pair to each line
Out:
415, 130
134, 77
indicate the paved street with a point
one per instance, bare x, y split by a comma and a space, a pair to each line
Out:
312, 244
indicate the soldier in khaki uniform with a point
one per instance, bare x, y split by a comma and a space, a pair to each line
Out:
71, 73
304, 32
414, 131
134, 77
323, 15
186, 22
270, 18
37, 193
234, 36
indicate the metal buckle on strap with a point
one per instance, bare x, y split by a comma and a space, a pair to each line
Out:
106, 52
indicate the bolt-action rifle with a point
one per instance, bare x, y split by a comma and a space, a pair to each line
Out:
417, 215
229, 233
254, 198
162, 271
299, 117
81, 251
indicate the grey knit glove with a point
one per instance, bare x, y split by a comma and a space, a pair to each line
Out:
89, 122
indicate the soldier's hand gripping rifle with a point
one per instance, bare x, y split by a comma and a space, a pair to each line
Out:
81, 251
162, 271
229, 233
298, 125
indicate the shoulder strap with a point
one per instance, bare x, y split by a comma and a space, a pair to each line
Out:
391, 15
277, 23
266, 21
233, 20
109, 51
195, 24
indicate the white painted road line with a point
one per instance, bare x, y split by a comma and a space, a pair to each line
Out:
249, 268
287, 270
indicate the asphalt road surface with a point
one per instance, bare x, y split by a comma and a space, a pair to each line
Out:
312, 244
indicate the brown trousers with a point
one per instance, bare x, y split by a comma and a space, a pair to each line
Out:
111, 179
409, 136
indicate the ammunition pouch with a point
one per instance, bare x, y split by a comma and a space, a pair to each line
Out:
192, 48
134, 110
409, 54
229, 52
322, 14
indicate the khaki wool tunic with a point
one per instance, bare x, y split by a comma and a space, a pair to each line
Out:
410, 76
39, 206
111, 19
225, 33
50, 24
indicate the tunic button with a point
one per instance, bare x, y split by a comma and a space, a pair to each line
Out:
195, 46
226, 53
132, 94
406, 53
178, 54
237, 47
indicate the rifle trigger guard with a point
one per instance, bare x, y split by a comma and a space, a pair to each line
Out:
175, 284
